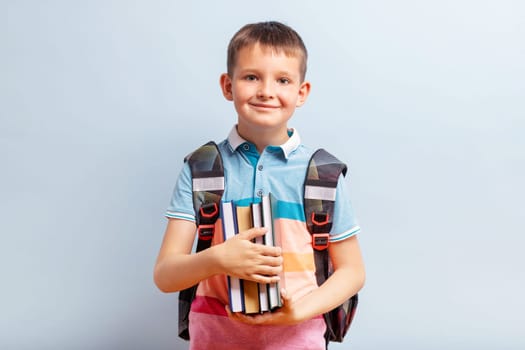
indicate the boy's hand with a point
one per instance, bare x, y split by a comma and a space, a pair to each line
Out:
285, 315
240, 257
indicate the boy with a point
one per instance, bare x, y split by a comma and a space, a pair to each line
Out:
266, 82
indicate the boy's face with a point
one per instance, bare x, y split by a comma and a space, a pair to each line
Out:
265, 87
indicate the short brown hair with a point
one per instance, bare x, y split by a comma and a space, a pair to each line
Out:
271, 34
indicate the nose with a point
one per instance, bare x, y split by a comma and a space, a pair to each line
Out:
266, 90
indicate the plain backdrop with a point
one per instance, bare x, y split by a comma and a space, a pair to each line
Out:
101, 100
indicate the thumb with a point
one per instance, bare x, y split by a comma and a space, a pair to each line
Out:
285, 298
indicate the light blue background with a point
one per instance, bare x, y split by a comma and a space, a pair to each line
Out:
100, 101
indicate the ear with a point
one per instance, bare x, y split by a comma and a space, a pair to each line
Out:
304, 91
226, 86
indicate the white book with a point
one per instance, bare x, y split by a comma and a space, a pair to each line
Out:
274, 289
229, 229
263, 288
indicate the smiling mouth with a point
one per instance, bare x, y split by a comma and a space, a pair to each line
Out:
263, 106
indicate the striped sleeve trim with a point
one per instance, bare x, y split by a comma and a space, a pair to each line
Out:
347, 234
179, 215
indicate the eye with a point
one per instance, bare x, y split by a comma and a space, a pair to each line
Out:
250, 77
284, 81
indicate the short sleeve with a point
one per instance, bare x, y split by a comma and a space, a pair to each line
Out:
181, 203
345, 222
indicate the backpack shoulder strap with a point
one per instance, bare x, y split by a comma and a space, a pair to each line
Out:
320, 188
207, 174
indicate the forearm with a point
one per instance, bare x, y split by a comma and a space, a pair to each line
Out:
341, 285
348, 278
177, 268
176, 272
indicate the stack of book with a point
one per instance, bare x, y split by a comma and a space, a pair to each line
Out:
250, 297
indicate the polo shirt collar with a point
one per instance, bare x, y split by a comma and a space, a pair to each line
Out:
235, 140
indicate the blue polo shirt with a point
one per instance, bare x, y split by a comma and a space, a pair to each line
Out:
279, 170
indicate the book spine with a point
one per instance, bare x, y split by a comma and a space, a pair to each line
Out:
250, 288
263, 288
229, 229
268, 205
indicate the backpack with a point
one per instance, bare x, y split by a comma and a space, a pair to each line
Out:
319, 197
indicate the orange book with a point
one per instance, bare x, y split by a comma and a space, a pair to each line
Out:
250, 288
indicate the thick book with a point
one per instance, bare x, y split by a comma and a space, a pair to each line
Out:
230, 229
250, 288
268, 206
263, 288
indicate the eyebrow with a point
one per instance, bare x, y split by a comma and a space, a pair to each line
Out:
279, 73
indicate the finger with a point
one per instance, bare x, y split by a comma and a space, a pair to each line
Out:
273, 261
268, 270
254, 319
270, 251
266, 278
274, 252
252, 233
285, 298
238, 316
